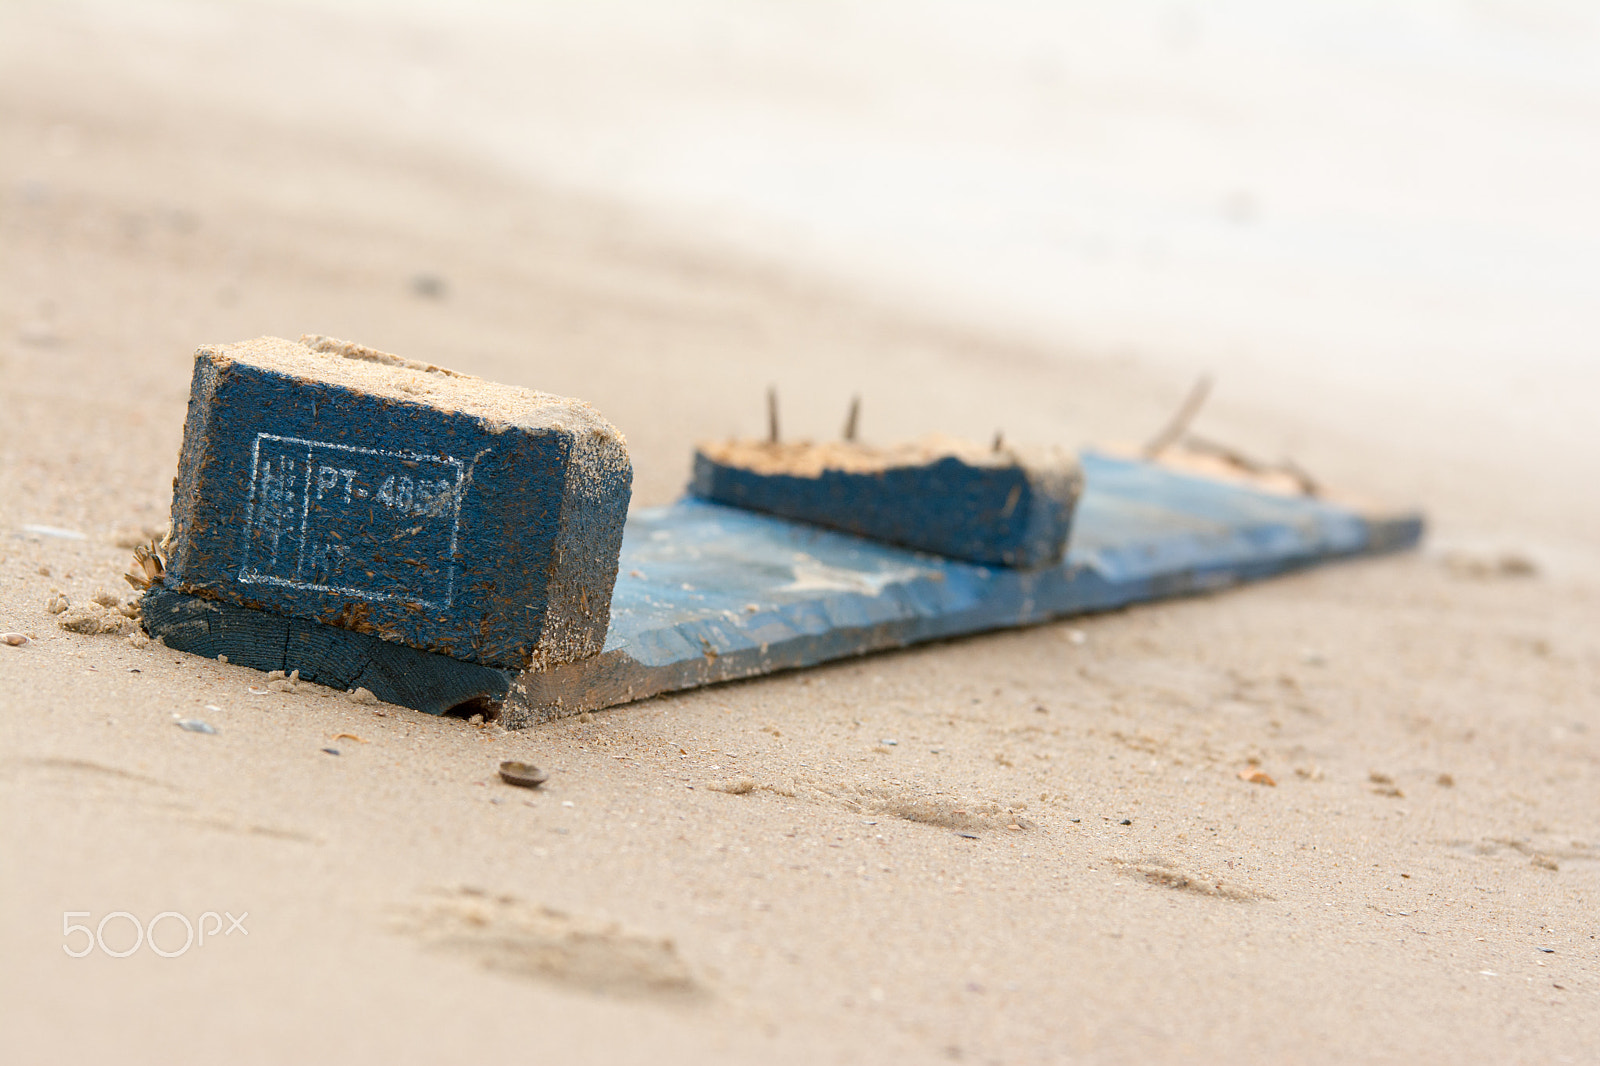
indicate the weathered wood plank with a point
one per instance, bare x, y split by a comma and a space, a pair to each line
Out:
326, 481
710, 593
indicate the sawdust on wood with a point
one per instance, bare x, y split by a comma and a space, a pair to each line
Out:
809, 459
368, 371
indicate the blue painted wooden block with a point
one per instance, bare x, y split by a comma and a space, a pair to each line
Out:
955, 499
325, 481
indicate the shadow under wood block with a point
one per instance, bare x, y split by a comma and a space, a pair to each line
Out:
392, 500
1000, 506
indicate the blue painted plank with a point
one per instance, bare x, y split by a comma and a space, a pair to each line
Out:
710, 593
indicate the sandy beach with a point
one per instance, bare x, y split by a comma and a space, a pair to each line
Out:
813, 867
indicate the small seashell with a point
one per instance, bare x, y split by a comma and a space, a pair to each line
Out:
16, 640
523, 775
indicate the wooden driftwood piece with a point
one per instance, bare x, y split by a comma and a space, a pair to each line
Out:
330, 482
711, 593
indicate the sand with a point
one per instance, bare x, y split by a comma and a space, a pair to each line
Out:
817, 867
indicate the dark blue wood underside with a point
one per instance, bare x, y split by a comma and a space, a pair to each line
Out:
708, 593
326, 655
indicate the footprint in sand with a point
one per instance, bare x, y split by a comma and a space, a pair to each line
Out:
1169, 874
508, 935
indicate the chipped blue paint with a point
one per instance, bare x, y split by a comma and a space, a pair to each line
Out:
1011, 514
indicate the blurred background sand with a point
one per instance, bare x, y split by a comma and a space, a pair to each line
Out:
1373, 223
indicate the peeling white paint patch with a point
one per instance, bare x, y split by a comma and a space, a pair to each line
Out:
813, 576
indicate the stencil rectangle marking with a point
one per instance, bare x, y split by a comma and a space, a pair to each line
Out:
371, 523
